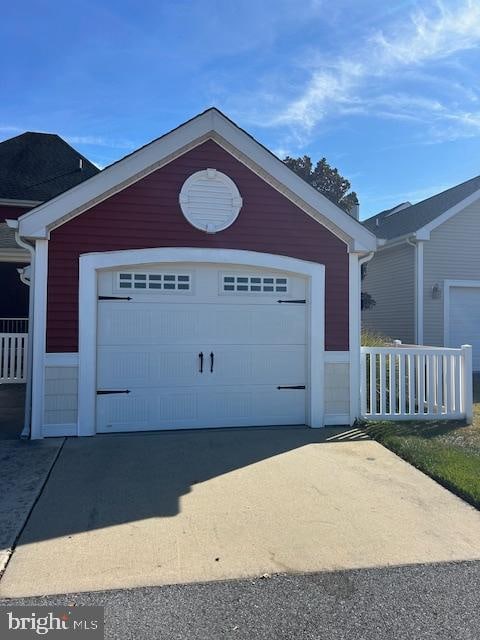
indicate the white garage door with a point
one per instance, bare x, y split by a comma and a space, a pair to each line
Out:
200, 346
464, 320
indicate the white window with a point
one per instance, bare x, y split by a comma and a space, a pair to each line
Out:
157, 281
254, 284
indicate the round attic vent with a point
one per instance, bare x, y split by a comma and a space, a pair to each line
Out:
210, 200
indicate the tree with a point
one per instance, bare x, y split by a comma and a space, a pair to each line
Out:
325, 179
335, 187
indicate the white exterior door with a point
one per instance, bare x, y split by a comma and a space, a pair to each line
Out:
464, 320
200, 346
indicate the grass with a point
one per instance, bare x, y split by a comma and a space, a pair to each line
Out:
449, 452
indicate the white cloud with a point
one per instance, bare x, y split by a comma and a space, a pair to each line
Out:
354, 84
100, 141
9, 129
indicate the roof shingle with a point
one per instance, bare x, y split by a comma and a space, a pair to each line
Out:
39, 166
400, 223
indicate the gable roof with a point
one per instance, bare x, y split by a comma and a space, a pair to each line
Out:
214, 125
39, 166
395, 222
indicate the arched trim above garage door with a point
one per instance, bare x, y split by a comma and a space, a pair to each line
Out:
91, 263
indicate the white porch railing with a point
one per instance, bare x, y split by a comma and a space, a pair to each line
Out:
13, 357
13, 325
416, 383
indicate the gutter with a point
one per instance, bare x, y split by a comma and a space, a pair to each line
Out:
13, 224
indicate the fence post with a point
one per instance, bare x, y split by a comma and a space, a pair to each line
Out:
467, 382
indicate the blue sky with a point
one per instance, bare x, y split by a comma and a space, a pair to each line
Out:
387, 91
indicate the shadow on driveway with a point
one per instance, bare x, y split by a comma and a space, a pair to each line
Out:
12, 406
114, 479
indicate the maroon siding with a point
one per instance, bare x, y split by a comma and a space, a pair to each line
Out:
12, 213
147, 214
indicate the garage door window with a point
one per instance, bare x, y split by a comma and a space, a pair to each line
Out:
157, 281
254, 284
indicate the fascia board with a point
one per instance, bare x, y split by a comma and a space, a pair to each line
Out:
39, 222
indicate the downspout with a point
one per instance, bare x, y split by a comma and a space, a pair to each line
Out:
13, 224
418, 282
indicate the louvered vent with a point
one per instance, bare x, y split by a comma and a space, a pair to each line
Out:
210, 200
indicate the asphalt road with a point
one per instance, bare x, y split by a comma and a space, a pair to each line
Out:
437, 602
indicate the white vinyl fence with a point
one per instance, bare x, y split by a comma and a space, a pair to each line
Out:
13, 325
13, 357
416, 383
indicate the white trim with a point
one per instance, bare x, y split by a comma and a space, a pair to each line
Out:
447, 285
336, 357
38, 222
14, 255
91, 263
355, 325
337, 419
39, 333
289, 193
59, 430
61, 359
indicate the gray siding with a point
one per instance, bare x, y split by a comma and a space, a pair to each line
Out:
452, 253
390, 280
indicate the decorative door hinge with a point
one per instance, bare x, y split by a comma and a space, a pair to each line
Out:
293, 301
298, 386
108, 392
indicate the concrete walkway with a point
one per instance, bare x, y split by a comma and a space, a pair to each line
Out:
24, 467
179, 507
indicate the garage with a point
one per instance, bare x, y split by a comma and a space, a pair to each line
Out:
189, 346
463, 319
196, 283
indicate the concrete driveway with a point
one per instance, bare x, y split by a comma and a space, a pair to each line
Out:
180, 507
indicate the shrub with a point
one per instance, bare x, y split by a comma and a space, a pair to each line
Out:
372, 339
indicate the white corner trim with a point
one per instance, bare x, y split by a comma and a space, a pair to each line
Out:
38, 222
447, 285
424, 232
61, 359
39, 335
354, 323
91, 263
59, 430
355, 329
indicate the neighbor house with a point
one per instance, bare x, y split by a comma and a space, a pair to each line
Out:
425, 278
34, 167
197, 282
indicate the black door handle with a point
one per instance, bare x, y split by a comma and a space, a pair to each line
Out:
200, 355
212, 357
